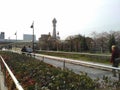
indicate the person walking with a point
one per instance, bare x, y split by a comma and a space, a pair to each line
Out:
115, 59
23, 50
29, 50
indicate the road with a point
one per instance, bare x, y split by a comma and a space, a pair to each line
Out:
92, 72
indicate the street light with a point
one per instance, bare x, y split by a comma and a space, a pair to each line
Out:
32, 26
16, 41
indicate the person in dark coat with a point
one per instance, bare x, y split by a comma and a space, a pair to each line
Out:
115, 60
24, 49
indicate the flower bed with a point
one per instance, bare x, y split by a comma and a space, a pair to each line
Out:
35, 74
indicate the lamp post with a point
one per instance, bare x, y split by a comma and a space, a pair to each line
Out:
32, 26
16, 41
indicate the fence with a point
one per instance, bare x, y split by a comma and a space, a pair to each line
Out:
6, 68
78, 62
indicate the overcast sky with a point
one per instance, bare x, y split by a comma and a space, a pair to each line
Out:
73, 16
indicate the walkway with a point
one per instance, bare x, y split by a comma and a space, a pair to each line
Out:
92, 72
2, 86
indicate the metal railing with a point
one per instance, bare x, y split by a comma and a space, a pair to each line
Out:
90, 64
18, 86
78, 62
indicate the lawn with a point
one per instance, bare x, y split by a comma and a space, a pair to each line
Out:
77, 56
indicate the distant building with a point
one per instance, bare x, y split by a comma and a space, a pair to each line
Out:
48, 41
28, 37
2, 35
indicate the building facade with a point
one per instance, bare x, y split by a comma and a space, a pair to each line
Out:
2, 35
28, 37
48, 41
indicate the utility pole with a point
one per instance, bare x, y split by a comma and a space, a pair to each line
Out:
16, 41
32, 26
16, 35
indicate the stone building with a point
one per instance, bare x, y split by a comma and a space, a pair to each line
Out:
48, 41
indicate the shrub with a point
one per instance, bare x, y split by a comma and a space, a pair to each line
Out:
32, 74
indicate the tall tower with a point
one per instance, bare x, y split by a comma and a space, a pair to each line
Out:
54, 28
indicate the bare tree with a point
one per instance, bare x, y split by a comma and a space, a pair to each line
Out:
100, 40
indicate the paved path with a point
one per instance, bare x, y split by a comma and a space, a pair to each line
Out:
2, 86
92, 72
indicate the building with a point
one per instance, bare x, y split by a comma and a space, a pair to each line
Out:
28, 37
48, 41
2, 35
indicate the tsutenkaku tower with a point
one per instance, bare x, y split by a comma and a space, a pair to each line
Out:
54, 28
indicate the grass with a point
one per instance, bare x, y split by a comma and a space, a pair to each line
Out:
83, 57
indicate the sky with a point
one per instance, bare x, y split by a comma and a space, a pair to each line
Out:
73, 17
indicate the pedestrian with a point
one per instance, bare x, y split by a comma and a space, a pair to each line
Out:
115, 59
23, 50
29, 49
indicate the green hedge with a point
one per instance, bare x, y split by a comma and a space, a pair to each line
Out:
33, 74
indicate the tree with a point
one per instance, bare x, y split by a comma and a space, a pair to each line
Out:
90, 43
84, 46
117, 36
101, 41
69, 43
77, 42
111, 42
